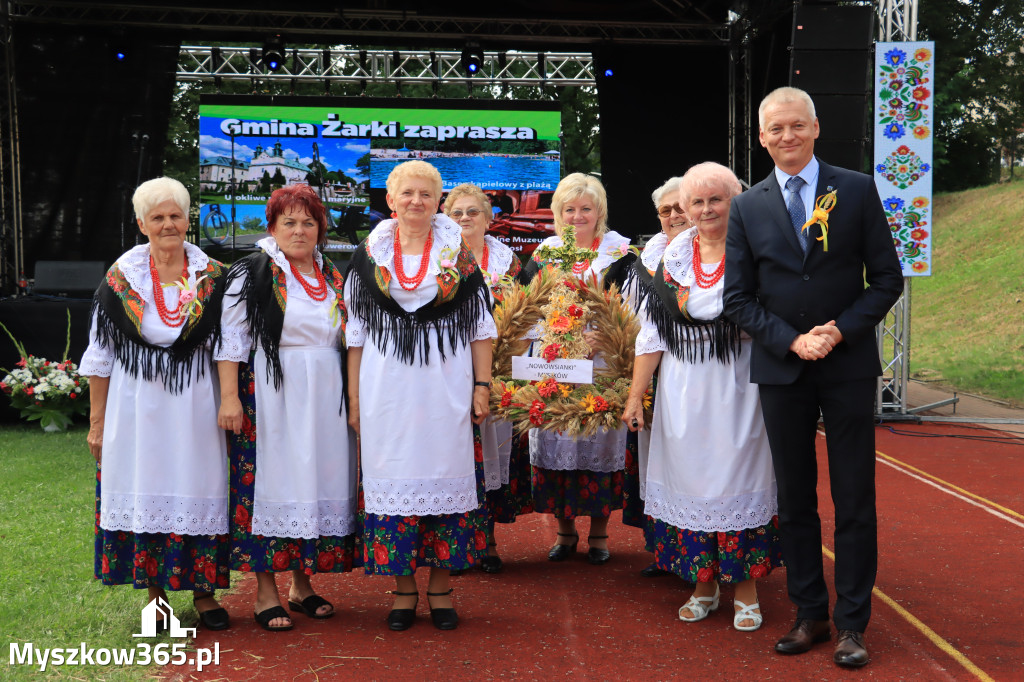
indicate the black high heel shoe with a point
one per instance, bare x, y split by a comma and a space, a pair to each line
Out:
444, 619
491, 564
212, 619
562, 552
402, 619
595, 555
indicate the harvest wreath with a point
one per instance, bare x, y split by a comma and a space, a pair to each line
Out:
564, 306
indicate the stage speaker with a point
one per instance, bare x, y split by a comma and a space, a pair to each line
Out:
831, 61
829, 26
75, 279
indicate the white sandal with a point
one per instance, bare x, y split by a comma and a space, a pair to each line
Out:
696, 606
747, 613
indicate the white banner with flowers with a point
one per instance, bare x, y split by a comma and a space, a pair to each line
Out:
903, 128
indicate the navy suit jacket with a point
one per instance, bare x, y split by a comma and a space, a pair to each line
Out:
774, 292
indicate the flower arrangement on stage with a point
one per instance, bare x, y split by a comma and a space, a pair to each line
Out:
564, 306
50, 392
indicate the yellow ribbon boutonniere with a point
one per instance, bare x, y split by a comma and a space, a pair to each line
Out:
822, 207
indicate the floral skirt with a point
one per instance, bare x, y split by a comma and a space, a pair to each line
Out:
568, 494
167, 560
632, 504
398, 545
258, 553
514, 499
728, 557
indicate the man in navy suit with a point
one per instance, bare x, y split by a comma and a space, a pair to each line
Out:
812, 320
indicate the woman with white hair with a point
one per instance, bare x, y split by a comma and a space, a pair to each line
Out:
582, 475
639, 285
710, 486
162, 506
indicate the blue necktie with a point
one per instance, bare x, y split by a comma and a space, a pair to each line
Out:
797, 215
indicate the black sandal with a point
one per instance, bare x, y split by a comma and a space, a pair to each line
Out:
309, 606
444, 619
561, 552
595, 555
213, 619
491, 564
402, 619
264, 617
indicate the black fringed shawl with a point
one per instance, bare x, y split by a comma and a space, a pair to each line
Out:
118, 313
451, 317
688, 338
641, 281
265, 296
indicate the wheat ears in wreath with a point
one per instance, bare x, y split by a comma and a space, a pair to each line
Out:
574, 409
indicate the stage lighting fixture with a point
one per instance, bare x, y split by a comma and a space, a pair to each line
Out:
472, 58
608, 73
120, 55
273, 53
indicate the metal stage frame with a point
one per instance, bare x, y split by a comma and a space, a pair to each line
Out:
897, 20
511, 67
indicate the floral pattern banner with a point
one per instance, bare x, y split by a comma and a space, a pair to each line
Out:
903, 128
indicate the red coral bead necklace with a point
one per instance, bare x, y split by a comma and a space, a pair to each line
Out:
583, 266
704, 280
172, 318
318, 292
410, 283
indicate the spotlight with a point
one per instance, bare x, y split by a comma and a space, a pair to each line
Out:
273, 53
472, 58
120, 55
608, 73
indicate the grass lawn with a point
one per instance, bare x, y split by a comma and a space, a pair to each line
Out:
47, 593
967, 319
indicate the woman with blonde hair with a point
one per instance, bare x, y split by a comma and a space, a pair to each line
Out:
581, 475
419, 370
710, 486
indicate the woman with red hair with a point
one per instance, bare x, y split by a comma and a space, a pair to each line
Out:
293, 467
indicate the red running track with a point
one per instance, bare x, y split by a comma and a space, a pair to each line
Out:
946, 607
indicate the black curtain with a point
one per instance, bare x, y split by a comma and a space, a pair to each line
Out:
84, 117
663, 109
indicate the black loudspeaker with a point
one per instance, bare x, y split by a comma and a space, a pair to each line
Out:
76, 279
831, 61
833, 72
833, 27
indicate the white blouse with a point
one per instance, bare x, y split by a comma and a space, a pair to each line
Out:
164, 457
305, 459
415, 419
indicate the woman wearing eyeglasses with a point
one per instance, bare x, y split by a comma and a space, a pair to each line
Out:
638, 286
506, 465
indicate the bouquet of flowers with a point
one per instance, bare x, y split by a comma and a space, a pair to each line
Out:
48, 391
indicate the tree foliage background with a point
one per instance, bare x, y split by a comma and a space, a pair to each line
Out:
979, 87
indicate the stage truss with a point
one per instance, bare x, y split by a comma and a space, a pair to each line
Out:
897, 21
387, 66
